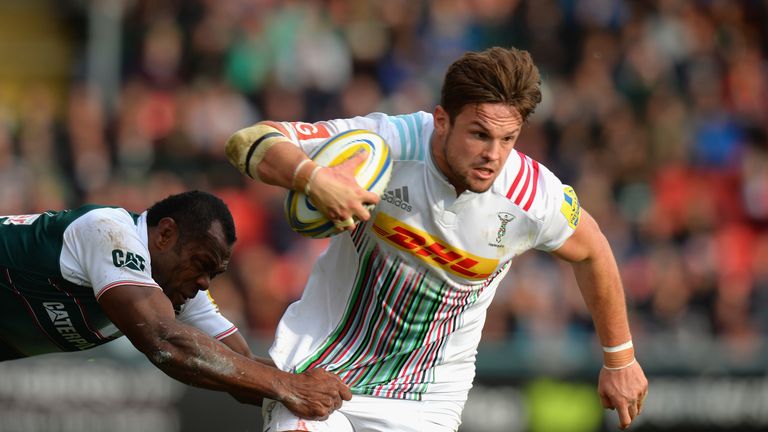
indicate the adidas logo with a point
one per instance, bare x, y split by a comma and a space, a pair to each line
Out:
398, 197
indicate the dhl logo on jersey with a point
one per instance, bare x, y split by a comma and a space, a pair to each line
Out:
431, 250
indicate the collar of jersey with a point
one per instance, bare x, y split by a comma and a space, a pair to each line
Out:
141, 229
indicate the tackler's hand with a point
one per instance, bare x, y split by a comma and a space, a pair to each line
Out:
315, 394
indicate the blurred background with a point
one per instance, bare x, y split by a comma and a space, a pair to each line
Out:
655, 111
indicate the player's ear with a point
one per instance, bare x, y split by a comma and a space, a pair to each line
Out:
167, 233
442, 120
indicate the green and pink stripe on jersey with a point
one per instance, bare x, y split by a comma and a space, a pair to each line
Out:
395, 327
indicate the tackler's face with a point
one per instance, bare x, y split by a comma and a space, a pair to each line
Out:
471, 151
191, 264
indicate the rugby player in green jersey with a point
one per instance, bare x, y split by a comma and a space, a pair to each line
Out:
74, 279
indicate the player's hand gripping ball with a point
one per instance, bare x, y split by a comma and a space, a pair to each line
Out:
372, 175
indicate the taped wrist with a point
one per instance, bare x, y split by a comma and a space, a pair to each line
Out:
246, 148
619, 356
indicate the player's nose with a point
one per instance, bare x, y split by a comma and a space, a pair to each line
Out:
203, 282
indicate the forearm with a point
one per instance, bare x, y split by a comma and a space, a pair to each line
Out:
600, 284
598, 277
264, 152
190, 356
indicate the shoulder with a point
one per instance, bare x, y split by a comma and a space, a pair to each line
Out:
97, 225
98, 218
528, 184
519, 180
407, 134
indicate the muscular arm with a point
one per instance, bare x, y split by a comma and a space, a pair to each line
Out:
146, 317
237, 343
333, 190
600, 283
598, 277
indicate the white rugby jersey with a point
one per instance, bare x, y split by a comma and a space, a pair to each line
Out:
396, 308
55, 266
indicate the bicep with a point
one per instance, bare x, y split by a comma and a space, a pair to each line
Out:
236, 342
586, 241
141, 313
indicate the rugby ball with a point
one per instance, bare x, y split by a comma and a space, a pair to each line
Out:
372, 175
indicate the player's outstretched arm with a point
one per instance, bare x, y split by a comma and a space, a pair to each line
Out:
237, 343
622, 385
264, 152
146, 317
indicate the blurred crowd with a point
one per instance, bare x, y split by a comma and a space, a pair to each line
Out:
656, 112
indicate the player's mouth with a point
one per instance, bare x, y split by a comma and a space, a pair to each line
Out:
483, 173
181, 299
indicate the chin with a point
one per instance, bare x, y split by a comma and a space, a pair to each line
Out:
479, 188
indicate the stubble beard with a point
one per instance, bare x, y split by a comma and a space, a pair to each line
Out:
458, 180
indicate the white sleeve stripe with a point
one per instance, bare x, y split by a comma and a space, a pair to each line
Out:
401, 133
120, 283
413, 127
226, 333
533, 185
525, 191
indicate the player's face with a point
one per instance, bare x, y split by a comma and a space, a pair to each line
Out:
472, 150
190, 268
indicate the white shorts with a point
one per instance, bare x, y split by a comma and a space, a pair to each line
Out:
370, 414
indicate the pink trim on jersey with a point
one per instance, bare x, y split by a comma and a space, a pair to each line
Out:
30, 310
232, 330
518, 177
535, 185
530, 168
80, 307
120, 283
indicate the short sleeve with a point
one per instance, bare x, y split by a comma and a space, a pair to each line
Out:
557, 208
202, 313
103, 249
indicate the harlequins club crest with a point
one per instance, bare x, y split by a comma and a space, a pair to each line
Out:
504, 218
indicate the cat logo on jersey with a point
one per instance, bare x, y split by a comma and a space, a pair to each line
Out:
305, 131
128, 259
431, 250
571, 208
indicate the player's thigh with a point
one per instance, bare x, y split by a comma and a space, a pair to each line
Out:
278, 418
370, 414
373, 414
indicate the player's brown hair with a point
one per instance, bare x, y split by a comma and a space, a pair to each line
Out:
496, 75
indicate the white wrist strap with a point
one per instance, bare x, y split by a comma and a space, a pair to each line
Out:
620, 367
297, 169
311, 177
617, 348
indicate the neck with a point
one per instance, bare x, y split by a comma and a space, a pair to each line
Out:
436, 148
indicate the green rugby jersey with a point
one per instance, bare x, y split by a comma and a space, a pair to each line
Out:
55, 265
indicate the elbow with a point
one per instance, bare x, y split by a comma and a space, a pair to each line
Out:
160, 345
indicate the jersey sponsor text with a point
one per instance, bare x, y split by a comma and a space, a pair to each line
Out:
131, 260
432, 251
306, 131
61, 322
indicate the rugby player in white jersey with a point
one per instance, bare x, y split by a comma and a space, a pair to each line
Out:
396, 305
74, 279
